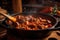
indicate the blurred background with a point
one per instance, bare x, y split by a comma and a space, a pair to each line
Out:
27, 5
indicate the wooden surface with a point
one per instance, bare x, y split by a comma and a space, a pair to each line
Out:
53, 35
3, 32
17, 6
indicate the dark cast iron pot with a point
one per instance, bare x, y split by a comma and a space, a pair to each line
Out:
33, 33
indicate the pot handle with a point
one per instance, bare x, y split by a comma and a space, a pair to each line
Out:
58, 19
56, 16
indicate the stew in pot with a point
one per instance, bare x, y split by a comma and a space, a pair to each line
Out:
31, 22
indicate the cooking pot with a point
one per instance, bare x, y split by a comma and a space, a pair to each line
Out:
33, 33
